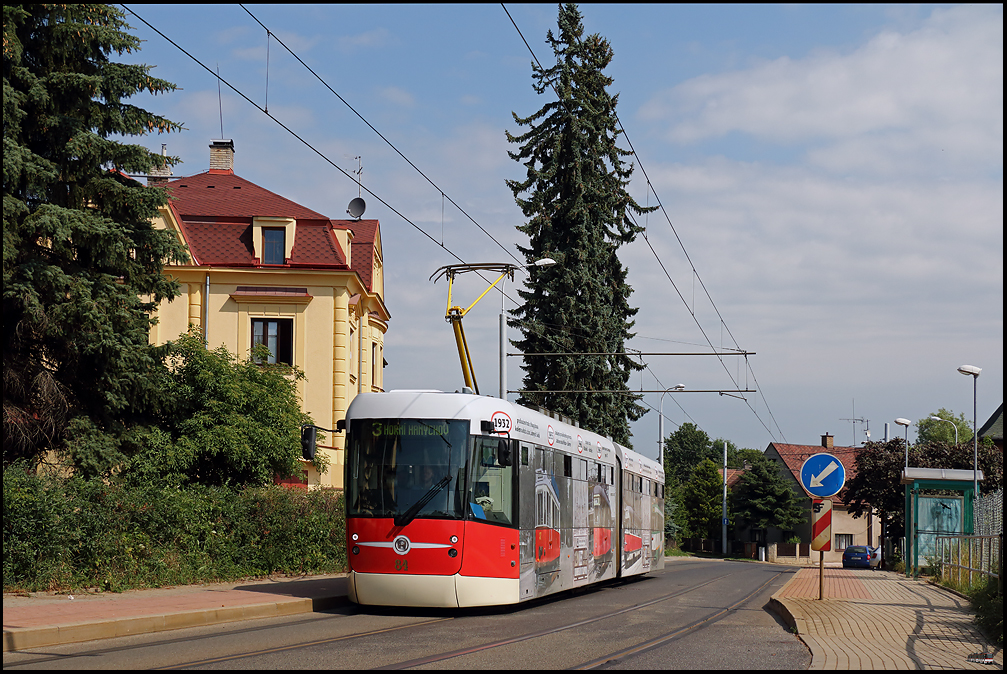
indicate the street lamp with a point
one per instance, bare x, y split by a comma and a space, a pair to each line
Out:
953, 424
544, 262
974, 372
905, 422
660, 422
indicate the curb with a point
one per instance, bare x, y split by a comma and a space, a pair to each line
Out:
19, 639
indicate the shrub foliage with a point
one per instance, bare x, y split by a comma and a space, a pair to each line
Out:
67, 534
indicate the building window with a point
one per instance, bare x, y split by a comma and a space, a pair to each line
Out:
277, 334
273, 249
843, 541
374, 366
352, 361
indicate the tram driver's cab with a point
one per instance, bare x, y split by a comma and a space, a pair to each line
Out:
492, 495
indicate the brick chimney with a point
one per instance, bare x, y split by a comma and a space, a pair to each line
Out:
827, 441
222, 155
159, 175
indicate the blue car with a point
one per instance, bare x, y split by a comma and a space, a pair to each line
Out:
857, 557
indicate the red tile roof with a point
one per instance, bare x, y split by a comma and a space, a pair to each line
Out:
733, 475
365, 233
223, 194
794, 456
215, 211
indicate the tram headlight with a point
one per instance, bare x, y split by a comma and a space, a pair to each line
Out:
452, 553
454, 539
355, 537
355, 550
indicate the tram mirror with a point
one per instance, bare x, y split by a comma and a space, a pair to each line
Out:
504, 455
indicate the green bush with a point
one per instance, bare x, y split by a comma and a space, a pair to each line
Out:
63, 534
989, 606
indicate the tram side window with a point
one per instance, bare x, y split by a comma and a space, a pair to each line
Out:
492, 482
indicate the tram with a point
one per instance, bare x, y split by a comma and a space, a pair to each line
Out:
458, 500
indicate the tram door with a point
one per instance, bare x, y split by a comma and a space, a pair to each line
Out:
526, 518
620, 487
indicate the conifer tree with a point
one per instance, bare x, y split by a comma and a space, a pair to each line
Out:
764, 498
579, 213
82, 262
703, 500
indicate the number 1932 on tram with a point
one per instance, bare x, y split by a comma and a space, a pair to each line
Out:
455, 499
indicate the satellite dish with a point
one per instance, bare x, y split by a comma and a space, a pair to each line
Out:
356, 208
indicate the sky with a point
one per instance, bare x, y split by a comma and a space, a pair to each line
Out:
830, 177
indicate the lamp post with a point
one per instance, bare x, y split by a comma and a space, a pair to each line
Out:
544, 262
905, 422
660, 422
953, 424
974, 372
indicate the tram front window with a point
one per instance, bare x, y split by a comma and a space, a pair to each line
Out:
406, 468
492, 497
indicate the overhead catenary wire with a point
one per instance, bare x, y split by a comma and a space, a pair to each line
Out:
293, 133
380, 135
695, 272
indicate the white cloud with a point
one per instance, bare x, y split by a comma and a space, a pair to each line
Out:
379, 37
397, 96
932, 96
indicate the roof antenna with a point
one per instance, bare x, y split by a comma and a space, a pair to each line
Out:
266, 110
358, 205
220, 105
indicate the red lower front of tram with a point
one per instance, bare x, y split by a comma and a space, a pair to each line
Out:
432, 562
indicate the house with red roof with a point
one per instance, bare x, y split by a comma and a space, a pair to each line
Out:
262, 269
846, 530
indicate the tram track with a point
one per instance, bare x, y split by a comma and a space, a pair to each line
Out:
441, 657
433, 659
537, 634
362, 636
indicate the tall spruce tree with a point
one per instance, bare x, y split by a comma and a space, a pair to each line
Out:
82, 262
578, 213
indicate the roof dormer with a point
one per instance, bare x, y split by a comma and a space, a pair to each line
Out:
273, 239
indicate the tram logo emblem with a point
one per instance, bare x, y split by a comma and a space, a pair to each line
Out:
551, 435
401, 545
501, 422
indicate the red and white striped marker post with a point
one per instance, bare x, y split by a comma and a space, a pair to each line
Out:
821, 536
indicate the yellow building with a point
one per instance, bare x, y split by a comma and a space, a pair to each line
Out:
263, 269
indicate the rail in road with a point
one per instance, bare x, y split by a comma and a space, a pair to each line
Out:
616, 623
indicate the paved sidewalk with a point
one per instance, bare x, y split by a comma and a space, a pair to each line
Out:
42, 619
882, 620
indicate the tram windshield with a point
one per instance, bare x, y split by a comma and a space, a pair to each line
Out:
405, 468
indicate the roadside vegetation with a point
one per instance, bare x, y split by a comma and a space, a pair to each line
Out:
63, 534
986, 598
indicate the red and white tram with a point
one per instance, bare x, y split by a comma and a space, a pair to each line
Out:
455, 499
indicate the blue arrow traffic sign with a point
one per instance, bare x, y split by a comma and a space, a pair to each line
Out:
823, 475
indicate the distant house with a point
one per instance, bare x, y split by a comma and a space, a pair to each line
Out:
264, 269
994, 428
846, 530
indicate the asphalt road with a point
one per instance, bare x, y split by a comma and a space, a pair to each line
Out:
696, 614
